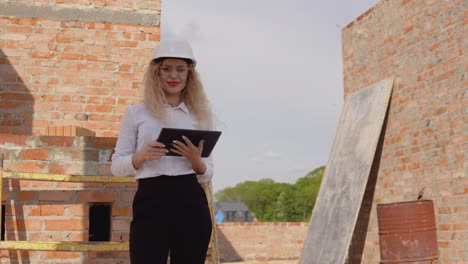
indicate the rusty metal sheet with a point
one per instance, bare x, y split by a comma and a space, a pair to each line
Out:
345, 178
407, 232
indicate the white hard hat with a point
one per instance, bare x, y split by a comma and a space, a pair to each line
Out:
174, 48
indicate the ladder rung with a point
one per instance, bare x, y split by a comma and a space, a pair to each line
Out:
65, 177
65, 246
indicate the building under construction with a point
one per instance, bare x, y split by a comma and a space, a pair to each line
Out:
69, 69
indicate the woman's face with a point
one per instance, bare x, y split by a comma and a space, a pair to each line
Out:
174, 74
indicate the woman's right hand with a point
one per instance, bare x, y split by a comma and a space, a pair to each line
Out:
152, 151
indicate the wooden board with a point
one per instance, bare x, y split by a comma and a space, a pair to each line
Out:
344, 182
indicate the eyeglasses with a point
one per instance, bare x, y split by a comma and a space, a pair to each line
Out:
180, 71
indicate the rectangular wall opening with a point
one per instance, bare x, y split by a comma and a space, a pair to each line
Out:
2, 238
100, 222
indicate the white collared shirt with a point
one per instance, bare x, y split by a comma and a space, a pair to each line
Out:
138, 128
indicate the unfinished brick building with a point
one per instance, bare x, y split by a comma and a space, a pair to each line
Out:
423, 44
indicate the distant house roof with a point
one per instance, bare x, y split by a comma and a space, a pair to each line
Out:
231, 206
233, 211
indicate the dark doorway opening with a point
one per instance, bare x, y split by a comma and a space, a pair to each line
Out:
100, 222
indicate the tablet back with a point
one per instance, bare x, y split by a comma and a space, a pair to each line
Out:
167, 135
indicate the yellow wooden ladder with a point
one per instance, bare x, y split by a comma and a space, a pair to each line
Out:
212, 257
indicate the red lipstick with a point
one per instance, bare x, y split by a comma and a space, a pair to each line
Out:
173, 83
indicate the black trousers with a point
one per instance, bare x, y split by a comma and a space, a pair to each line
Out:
170, 214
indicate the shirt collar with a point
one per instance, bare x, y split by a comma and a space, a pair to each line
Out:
182, 106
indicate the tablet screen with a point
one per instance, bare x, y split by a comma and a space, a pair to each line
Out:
167, 135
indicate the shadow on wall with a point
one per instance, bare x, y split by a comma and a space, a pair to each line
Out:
16, 115
227, 253
17, 118
16, 102
358, 239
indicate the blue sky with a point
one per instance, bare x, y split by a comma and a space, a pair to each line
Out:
273, 73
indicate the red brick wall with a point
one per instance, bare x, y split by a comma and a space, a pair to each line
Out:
58, 72
423, 44
260, 241
59, 211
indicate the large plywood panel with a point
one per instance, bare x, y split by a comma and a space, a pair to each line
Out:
344, 182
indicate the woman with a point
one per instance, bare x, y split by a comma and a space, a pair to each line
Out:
170, 210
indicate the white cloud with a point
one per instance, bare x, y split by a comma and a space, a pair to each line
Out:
266, 156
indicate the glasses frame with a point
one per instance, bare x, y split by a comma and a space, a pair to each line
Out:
168, 70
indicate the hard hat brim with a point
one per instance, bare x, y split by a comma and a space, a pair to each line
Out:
174, 48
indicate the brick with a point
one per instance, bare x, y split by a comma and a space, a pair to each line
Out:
55, 196
42, 185
47, 210
34, 154
69, 130
56, 141
26, 166
19, 140
69, 225
127, 196
56, 168
61, 255
121, 211
104, 169
13, 36
91, 196
79, 210
446, 210
23, 225
120, 224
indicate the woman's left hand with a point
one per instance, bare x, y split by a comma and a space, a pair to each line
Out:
191, 152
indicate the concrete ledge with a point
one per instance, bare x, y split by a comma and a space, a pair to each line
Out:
84, 14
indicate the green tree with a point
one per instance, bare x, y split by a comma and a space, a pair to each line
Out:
307, 191
272, 201
280, 210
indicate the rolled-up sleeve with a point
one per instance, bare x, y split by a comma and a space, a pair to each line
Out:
126, 145
206, 177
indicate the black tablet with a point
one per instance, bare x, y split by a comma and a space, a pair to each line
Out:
167, 135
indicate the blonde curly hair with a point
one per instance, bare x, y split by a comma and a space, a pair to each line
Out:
193, 95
